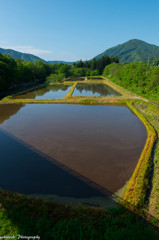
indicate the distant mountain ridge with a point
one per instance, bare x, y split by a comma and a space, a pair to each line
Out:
20, 55
27, 57
69, 63
132, 51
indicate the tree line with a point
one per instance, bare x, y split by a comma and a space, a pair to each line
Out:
97, 64
141, 77
80, 68
15, 72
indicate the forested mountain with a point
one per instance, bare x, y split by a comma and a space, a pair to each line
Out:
28, 57
22, 56
132, 51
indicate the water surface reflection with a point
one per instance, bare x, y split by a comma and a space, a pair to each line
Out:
54, 91
100, 143
94, 89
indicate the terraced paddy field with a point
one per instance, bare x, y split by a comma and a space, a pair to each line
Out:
94, 90
81, 150
76, 151
54, 91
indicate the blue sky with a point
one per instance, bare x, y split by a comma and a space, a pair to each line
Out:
71, 30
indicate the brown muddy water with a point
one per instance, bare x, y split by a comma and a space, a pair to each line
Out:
50, 92
94, 90
68, 151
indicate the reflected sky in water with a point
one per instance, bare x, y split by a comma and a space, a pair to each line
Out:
94, 90
50, 92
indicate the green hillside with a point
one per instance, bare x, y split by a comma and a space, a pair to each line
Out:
132, 51
18, 55
141, 78
28, 57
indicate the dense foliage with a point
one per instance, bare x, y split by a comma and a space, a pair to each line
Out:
80, 68
96, 65
14, 72
138, 77
132, 51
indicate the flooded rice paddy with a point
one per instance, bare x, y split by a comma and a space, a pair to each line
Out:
54, 91
69, 151
94, 90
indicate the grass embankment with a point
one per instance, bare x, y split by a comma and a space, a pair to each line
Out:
71, 90
151, 112
135, 193
74, 79
71, 100
20, 215
119, 89
94, 77
134, 197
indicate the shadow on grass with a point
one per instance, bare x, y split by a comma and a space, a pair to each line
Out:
33, 173
30, 217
